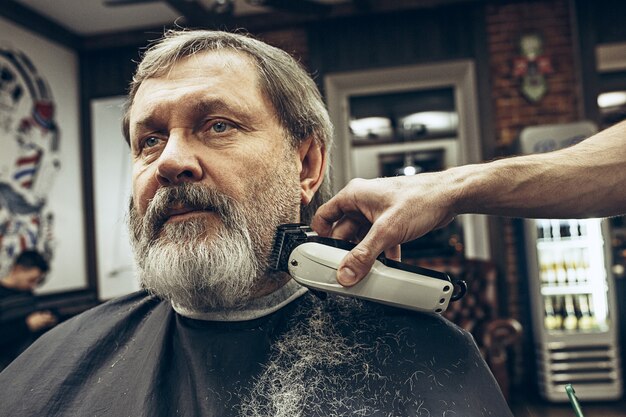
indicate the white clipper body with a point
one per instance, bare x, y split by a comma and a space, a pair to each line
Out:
314, 265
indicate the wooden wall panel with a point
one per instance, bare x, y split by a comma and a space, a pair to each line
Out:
393, 39
108, 72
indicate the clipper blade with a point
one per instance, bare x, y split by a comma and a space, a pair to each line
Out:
288, 236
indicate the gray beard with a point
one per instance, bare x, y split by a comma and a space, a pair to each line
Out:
197, 272
201, 266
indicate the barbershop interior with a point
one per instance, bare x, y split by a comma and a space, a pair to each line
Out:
411, 87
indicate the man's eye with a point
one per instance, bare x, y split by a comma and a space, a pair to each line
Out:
148, 145
151, 141
220, 126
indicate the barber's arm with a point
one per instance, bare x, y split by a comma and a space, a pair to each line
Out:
585, 180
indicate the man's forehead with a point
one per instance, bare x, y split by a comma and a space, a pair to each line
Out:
213, 62
228, 74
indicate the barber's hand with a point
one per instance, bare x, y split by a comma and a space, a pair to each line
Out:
379, 215
40, 320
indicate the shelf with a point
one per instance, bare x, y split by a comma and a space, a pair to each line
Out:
395, 140
599, 329
571, 289
565, 243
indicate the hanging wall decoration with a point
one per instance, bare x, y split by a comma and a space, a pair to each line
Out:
29, 161
41, 180
532, 66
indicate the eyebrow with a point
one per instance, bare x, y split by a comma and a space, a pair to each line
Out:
219, 106
212, 106
200, 108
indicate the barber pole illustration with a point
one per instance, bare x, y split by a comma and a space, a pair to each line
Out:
27, 168
29, 162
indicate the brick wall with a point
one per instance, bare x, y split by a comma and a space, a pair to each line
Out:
506, 22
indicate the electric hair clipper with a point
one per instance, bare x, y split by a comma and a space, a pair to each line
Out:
312, 261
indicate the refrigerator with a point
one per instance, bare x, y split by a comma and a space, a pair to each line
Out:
572, 291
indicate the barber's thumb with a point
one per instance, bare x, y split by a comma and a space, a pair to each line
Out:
355, 265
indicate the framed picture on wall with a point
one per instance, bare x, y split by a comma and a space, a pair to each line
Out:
41, 176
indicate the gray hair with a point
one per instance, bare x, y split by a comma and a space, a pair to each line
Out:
298, 104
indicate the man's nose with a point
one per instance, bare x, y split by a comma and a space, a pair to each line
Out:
178, 162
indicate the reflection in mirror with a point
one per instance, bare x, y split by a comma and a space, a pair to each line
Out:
402, 116
612, 106
371, 129
429, 123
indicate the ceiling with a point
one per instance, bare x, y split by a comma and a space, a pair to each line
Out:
91, 17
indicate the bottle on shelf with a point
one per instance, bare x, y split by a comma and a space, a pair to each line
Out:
574, 228
544, 231
547, 273
552, 320
570, 321
587, 321
569, 258
560, 269
564, 230
582, 266
582, 228
555, 228
603, 322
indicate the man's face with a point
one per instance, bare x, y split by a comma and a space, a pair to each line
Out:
213, 175
27, 279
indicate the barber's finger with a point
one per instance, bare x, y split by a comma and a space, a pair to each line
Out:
352, 228
393, 253
358, 262
355, 265
326, 215
346, 229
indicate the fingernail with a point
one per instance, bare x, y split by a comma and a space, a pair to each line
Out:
346, 276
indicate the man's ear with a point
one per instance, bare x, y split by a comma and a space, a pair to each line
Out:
312, 168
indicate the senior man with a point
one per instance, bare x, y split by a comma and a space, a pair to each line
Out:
229, 139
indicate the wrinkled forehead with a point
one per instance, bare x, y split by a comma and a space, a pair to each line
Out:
214, 70
220, 64
211, 63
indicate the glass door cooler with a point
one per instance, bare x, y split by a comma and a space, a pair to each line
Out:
573, 308
572, 291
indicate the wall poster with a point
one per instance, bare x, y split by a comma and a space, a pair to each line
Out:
41, 198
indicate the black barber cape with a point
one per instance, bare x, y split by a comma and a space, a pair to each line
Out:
136, 356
